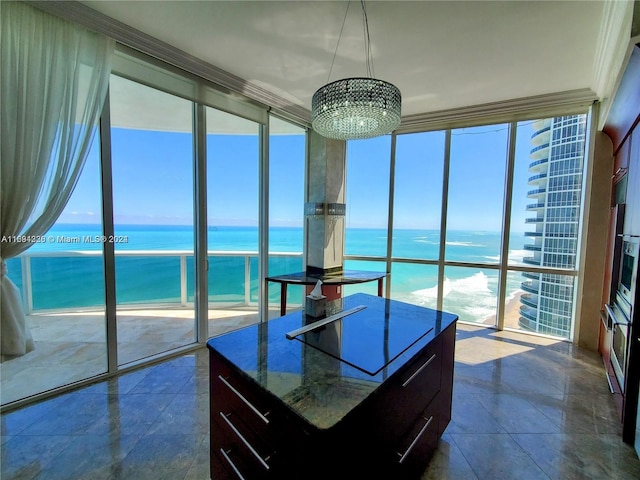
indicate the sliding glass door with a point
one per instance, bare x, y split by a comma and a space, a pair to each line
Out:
152, 178
233, 154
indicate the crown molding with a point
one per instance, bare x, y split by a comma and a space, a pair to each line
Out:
538, 106
81, 14
613, 39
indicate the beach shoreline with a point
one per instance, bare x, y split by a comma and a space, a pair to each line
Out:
511, 312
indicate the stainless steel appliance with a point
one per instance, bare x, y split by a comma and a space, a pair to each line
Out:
620, 325
620, 311
628, 272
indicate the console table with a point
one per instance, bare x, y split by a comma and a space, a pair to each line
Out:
344, 277
367, 394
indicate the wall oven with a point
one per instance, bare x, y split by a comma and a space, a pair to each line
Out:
620, 326
620, 311
628, 270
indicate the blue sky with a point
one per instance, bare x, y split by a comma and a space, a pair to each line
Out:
153, 180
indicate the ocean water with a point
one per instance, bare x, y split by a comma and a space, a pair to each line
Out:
60, 280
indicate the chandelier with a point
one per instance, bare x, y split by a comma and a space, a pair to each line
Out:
358, 107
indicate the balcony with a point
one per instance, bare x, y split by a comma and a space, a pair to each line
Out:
537, 191
538, 136
539, 165
526, 299
171, 284
531, 275
540, 152
530, 287
531, 261
527, 323
528, 313
533, 248
69, 329
535, 178
535, 206
534, 220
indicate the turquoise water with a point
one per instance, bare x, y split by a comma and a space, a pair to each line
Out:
62, 281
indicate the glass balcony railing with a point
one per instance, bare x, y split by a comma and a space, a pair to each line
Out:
530, 287
540, 132
535, 206
537, 191
64, 280
526, 299
528, 313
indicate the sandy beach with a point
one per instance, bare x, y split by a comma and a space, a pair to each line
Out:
511, 312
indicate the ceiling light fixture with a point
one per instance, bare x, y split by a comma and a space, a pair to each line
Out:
358, 107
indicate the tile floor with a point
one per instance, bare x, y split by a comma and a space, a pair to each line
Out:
524, 407
71, 347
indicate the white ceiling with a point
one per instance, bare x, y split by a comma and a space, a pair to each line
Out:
442, 55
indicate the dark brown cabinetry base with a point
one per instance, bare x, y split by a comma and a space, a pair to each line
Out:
383, 427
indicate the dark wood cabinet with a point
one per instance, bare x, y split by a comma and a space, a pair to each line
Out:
622, 127
328, 419
632, 197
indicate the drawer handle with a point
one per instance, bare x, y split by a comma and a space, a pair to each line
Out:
231, 464
239, 395
415, 440
244, 440
417, 372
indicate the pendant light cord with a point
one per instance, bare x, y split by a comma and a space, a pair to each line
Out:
367, 42
339, 37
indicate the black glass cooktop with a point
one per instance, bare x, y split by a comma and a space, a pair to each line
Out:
366, 336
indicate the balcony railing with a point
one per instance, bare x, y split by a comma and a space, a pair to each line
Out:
527, 300
540, 132
537, 191
539, 176
530, 287
63, 280
534, 206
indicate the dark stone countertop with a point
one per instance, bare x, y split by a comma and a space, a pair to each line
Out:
323, 374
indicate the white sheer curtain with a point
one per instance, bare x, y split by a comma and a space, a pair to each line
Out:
54, 78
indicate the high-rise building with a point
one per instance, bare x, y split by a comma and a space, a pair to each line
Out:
556, 177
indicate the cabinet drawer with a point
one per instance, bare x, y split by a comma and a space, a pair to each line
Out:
417, 385
416, 447
231, 392
387, 414
420, 381
229, 432
229, 464
236, 396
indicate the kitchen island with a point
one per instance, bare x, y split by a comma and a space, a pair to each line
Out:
367, 393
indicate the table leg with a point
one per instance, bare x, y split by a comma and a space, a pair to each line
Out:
380, 287
283, 299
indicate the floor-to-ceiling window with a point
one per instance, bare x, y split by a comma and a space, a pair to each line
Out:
417, 206
287, 152
233, 153
152, 178
474, 221
545, 223
470, 180
108, 296
61, 280
367, 207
